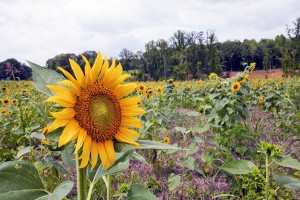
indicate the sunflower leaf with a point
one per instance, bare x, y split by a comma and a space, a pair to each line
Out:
138, 192
122, 163
43, 76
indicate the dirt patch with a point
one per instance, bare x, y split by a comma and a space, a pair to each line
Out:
273, 73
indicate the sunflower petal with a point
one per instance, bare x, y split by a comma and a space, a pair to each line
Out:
86, 150
77, 72
60, 101
119, 81
123, 138
130, 101
69, 76
131, 122
81, 137
69, 133
69, 83
63, 93
132, 111
58, 123
103, 71
94, 154
130, 133
96, 68
87, 70
124, 90
109, 146
66, 113
107, 153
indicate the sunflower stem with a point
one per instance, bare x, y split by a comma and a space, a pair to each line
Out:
108, 187
81, 180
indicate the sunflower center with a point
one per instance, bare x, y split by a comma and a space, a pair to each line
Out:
235, 87
98, 111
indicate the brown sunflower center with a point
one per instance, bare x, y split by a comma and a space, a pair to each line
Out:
98, 111
235, 87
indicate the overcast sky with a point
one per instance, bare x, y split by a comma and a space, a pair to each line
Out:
37, 30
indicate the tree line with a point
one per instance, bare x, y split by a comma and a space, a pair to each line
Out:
193, 55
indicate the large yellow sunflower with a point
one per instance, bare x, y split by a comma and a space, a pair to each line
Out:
95, 110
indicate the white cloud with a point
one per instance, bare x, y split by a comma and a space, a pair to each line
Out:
37, 30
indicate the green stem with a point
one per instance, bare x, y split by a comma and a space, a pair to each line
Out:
81, 180
108, 187
267, 177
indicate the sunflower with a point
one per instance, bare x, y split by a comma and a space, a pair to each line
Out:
6, 101
260, 100
252, 66
166, 140
160, 89
14, 101
235, 87
213, 76
10, 112
95, 110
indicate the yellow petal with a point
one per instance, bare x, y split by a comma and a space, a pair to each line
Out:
77, 72
69, 83
58, 123
103, 155
96, 68
63, 93
124, 90
109, 146
87, 70
86, 150
69, 76
130, 133
103, 70
112, 76
123, 138
94, 154
66, 113
80, 139
131, 122
119, 81
132, 101
69, 133
60, 101
132, 111
107, 153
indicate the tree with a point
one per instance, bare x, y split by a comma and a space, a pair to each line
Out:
14, 70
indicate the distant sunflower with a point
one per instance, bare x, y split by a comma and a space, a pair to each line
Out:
6, 101
260, 100
160, 89
96, 111
14, 101
166, 140
252, 66
9, 112
235, 87
213, 76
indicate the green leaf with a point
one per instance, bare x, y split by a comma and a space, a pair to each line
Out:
60, 191
22, 151
288, 182
122, 163
173, 181
20, 180
68, 157
238, 167
138, 192
140, 158
202, 129
188, 162
43, 77
289, 162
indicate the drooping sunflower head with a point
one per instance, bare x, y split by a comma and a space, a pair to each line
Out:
96, 111
235, 87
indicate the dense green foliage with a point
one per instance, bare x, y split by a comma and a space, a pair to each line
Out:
12, 69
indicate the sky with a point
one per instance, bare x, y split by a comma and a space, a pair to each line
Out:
37, 30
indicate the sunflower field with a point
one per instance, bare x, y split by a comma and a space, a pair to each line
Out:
93, 134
